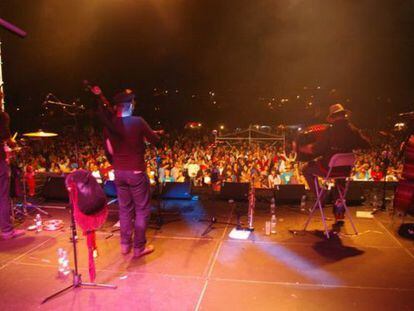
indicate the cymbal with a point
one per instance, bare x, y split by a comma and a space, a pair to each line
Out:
40, 134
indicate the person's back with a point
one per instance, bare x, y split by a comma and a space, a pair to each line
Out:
341, 137
125, 143
129, 147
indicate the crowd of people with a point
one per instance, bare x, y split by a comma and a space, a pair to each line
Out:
195, 157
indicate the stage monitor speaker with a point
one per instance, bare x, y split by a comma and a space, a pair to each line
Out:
176, 190
234, 191
109, 188
289, 193
55, 189
355, 195
264, 194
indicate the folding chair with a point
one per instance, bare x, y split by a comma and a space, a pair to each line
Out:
338, 161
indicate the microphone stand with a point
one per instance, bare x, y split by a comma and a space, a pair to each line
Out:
77, 280
386, 163
159, 218
73, 110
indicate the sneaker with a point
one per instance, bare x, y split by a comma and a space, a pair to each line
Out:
147, 250
125, 249
339, 216
340, 223
13, 234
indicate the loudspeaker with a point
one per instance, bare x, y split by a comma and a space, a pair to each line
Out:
176, 190
264, 194
355, 195
236, 191
109, 188
55, 189
289, 193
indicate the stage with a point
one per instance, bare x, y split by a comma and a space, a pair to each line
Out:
285, 271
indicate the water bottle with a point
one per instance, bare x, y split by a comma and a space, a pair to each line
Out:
273, 224
38, 223
272, 206
375, 201
303, 203
63, 263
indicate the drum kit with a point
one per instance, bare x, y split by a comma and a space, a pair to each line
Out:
21, 209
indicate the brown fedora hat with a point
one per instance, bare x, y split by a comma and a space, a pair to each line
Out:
337, 108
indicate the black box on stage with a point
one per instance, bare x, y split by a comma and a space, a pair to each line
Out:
55, 189
355, 195
176, 190
289, 193
237, 191
264, 194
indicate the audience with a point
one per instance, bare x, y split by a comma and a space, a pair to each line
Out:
195, 157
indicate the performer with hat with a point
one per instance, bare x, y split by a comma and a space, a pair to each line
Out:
340, 137
125, 142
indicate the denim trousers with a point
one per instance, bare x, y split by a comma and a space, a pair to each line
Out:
5, 221
134, 206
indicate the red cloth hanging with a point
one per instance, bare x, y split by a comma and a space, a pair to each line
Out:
88, 224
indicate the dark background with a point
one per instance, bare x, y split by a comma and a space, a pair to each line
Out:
175, 54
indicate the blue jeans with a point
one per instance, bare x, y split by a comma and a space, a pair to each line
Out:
134, 206
5, 222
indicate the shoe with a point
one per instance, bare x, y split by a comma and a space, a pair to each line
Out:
147, 250
339, 216
339, 223
13, 234
125, 249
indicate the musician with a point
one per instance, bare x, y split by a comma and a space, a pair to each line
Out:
126, 135
8, 232
340, 137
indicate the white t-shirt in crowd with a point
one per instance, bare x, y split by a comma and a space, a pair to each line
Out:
193, 169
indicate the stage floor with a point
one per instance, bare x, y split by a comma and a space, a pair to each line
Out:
285, 271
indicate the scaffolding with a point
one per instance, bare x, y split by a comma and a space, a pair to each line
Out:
250, 135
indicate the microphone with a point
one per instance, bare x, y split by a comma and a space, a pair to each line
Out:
76, 104
46, 101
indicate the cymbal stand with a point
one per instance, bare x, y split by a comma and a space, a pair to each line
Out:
25, 204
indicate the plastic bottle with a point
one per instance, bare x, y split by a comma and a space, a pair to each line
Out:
38, 223
375, 201
303, 203
273, 222
272, 206
63, 263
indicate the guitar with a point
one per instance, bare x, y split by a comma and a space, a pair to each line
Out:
11, 151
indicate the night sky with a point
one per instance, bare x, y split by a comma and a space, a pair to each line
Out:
214, 61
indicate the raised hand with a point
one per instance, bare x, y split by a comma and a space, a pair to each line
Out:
159, 132
96, 90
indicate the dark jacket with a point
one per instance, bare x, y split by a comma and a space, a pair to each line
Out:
341, 137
